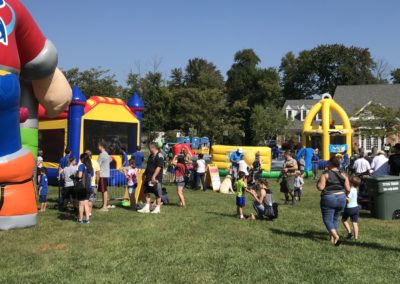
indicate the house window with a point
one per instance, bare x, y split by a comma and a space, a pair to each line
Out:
303, 114
289, 114
375, 142
368, 143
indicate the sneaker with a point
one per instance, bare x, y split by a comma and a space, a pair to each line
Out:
349, 236
109, 206
80, 222
145, 209
104, 209
86, 222
156, 210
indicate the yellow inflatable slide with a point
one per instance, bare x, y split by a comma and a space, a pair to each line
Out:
221, 154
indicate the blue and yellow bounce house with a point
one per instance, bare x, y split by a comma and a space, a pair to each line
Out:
85, 123
332, 139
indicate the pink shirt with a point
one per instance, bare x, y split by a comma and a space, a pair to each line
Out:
132, 176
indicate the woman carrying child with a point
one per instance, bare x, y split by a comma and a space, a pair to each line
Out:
352, 210
83, 184
180, 171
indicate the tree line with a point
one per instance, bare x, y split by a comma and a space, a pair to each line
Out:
244, 108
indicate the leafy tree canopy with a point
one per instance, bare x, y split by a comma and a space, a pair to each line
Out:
323, 68
267, 123
395, 76
377, 120
94, 82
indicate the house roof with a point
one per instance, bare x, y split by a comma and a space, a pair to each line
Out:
352, 98
297, 104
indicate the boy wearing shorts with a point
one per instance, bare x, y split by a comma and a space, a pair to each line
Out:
241, 188
43, 189
352, 210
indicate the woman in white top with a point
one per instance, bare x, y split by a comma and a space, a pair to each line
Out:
201, 172
243, 167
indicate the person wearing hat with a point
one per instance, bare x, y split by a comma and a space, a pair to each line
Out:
394, 161
235, 159
380, 165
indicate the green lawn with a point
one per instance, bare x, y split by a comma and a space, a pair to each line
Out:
201, 244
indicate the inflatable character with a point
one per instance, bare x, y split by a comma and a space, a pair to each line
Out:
25, 56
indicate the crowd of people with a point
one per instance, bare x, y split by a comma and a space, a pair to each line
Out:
340, 194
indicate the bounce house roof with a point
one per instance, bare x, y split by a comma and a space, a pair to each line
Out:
108, 109
98, 108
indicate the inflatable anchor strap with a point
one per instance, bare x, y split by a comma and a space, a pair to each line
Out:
3, 187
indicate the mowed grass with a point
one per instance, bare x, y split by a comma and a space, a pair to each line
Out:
201, 244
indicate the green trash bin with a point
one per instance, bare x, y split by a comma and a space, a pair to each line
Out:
384, 195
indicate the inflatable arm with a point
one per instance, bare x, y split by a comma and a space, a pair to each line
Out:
53, 93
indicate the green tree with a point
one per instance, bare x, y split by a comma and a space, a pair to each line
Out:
377, 120
177, 78
198, 110
267, 123
395, 76
94, 82
199, 73
323, 68
254, 85
157, 100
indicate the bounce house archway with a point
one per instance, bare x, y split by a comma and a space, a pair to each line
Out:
328, 129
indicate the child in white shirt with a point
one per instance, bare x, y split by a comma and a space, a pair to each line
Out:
298, 185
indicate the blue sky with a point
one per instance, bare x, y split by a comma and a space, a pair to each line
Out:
122, 34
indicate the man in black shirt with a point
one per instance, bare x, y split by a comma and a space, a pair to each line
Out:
152, 178
394, 161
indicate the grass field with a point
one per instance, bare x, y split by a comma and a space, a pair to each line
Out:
201, 244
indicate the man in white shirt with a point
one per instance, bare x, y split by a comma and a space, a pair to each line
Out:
361, 166
380, 165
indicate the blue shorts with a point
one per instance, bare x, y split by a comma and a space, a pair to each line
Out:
42, 198
240, 201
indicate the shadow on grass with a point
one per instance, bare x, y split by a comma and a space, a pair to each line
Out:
67, 216
222, 214
317, 236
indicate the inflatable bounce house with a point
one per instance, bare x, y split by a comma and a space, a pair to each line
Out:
330, 138
85, 123
197, 144
221, 156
